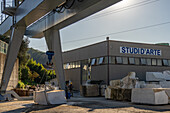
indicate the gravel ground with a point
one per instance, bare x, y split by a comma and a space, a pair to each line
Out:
82, 105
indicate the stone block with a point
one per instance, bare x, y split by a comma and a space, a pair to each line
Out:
155, 96
167, 90
102, 90
118, 94
89, 90
49, 97
152, 86
165, 84
129, 81
115, 83
109, 92
157, 76
56, 97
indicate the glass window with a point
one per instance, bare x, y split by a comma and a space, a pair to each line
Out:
148, 61
137, 62
93, 61
112, 60
67, 66
64, 66
71, 65
165, 62
125, 60
131, 60
101, 60
168, 62
119, 60
97, 61
154, 62
77, 64
143, 61
159, 62
105, 60
74, 64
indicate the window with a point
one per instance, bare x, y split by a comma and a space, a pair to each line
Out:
112, 60
125, 60
77, 64
143, 61
137, 62
74, 64
154, 62
67, 66
165, 62
101, 60
71, 65
148, 61
64, 66
97, 61
131, 60
93, 61
106, 60
159, 62
168, 62
119, 60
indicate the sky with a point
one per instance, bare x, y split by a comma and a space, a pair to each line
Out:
145, 21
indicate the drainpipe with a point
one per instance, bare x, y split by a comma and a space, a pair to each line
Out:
108, 60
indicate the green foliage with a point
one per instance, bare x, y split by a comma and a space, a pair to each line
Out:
34, 73
37, 55
21, 84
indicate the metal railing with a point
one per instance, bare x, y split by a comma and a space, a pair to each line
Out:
6, 4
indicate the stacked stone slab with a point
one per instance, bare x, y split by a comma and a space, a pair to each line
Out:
89, 90
160, 78
49, 97
155, 96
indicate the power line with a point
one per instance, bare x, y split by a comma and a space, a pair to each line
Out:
123, 9
119, 32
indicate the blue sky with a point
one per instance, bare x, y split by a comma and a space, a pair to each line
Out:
146, 21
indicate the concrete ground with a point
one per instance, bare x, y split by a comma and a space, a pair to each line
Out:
82, 105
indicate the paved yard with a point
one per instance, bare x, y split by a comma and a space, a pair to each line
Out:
82, 105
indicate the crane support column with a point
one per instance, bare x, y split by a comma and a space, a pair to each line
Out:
16, 38
54, 44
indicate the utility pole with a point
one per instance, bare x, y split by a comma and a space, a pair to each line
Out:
107, 38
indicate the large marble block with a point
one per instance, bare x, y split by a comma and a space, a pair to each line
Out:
167, 90
49, 97
116, 83
155, 76
120, 94
89, 90
165, 84
158, 76
153, 96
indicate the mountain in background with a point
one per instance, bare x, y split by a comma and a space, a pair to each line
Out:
37, 55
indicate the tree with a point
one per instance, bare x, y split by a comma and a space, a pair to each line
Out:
22, 55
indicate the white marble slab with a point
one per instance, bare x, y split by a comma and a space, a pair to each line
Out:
155, 96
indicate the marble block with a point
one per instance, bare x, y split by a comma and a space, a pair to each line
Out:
120, 94
49, 97
89, 90
155, 96
155, 76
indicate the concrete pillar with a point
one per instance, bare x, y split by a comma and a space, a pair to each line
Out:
16, 38
52, 37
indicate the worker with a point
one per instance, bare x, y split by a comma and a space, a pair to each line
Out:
67, 90
71, 88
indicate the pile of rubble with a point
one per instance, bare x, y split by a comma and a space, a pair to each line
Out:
156, 89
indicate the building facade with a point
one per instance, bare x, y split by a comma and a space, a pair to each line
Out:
109, 60
14, 75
